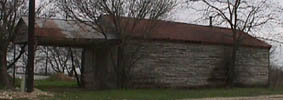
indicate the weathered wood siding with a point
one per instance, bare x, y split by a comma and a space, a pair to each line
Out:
98, 71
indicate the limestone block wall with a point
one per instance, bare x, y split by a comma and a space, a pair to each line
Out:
252, 66
168, 64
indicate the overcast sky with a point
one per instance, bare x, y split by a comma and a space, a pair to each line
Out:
183, 14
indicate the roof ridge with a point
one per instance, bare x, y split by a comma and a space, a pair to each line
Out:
51, 18
175, 22
166, 21
171, 30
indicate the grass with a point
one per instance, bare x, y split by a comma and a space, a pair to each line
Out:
160, 94
68, 90
1, 86
50, 83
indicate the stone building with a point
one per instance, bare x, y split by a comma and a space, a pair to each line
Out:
175, 55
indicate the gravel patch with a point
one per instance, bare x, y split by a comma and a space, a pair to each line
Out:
9, 95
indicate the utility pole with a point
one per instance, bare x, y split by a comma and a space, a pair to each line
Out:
31, 48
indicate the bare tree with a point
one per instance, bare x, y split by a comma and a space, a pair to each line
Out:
92, 12
20, 50
58, 59
9, 14
240, 16
74, 61
43, 10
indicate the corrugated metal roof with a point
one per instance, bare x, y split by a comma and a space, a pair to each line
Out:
65, 29
62, 32
167, 30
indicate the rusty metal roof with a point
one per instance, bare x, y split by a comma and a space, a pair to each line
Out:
70, 33
61, 32
166, 30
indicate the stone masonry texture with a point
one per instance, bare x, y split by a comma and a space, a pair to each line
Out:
167, 64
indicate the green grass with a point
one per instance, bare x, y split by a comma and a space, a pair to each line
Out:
1, 86
51, 82
160, 94
45, 84
68, 90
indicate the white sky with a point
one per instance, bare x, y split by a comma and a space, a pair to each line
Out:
183, 14
273, 32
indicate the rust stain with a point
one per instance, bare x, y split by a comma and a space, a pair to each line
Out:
49, 30
163, 30
187, 32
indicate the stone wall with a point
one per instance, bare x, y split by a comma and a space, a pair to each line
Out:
168, 64
252, 67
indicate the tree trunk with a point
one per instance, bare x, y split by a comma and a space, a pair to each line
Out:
121, 70
74, 68
119, 67
4, 78
231, 69
82, 80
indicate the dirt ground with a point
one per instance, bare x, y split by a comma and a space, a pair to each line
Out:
272, 97
9, 95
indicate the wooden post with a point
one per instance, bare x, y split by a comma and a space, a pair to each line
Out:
46, 62
31, 48
14, 66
